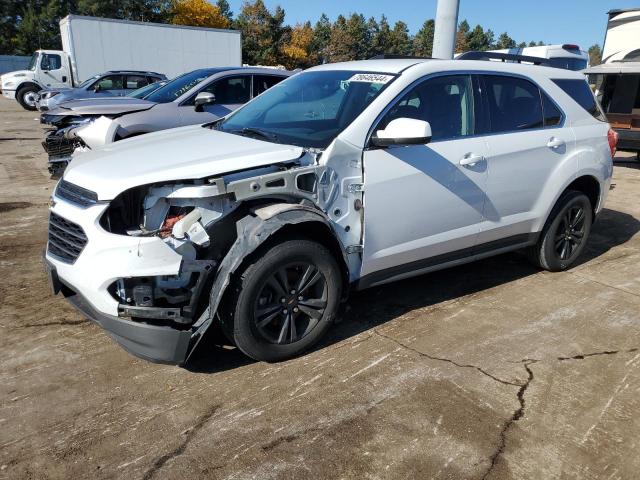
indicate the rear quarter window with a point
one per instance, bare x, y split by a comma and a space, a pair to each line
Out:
580, 92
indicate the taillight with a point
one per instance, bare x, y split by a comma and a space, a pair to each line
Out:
612, 136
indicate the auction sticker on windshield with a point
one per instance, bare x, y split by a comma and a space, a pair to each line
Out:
371, 78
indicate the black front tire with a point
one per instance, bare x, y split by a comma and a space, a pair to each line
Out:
271, 291
22, 95
565, 234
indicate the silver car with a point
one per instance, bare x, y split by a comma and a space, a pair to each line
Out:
196, 97
115, 83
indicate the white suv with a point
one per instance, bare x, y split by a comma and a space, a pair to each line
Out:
343, 176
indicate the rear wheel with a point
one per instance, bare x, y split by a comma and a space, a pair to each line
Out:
27, 96
565, 235
284, 301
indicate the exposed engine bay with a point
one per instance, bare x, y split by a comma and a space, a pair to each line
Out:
201, 221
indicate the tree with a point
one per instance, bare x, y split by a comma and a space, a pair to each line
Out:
298, 51
595, 55
320, 39
477, 39
423, 41
197, 13
462, 43
532, 43
37, 25
400, 42
225, 10
263, 33
349, 39
505, 41
141, 10
381, 37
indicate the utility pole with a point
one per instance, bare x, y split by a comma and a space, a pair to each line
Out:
444, 37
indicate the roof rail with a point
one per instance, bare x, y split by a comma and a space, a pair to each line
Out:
504, 57
393, 56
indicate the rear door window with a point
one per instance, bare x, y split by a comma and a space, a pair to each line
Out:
552, 114
136, 81
110, 82
580, 92
262, 83
514, 103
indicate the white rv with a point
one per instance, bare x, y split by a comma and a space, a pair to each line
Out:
567, 56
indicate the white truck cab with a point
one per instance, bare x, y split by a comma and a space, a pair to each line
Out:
47, 69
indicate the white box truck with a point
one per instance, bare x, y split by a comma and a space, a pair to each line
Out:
93, 45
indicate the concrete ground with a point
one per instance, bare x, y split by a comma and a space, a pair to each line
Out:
491, 370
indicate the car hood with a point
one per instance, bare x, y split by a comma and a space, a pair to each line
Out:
102, 106
170, 155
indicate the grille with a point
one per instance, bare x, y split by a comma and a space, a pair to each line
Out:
66, 239
58, 145
75, 194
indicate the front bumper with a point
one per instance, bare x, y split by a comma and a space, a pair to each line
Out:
628, 140
153, 343
104, 259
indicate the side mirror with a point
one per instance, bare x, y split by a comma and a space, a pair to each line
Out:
202, 99
97, 88
403, 131
45, 67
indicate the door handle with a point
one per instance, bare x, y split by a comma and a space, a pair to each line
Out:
470, 159
555, 142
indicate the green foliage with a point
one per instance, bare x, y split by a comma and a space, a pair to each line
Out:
595, 55
505, 41
423, 41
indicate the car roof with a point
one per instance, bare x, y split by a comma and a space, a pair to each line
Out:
397, 66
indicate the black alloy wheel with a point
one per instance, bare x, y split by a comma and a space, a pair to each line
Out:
290, 303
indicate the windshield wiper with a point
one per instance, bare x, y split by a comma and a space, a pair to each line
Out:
252, 131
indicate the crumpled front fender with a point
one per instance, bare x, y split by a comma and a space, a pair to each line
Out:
253, 231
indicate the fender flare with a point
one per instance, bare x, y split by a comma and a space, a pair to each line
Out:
253, 230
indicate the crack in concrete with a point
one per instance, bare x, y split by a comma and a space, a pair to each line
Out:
179, 450
582, 356
447, 360
52, 324
517, 415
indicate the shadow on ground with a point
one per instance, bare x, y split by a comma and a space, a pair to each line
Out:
378, 305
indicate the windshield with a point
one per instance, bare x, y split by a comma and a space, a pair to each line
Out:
88, 81
309, 109
144, 91
568, 63
179, 85
34, 61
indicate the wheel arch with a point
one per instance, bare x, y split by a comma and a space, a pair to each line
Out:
590, 186
29, 83
261, 226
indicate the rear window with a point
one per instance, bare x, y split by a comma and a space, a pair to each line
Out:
514, 103
579, 90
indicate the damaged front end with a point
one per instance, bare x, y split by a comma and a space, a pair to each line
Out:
74, 135
214, 225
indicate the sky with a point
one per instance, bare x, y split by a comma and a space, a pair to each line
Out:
552, 21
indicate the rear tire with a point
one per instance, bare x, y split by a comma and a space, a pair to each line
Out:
284, 301
26, 96
565, 233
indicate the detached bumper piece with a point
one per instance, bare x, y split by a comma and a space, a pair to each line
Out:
60, 148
